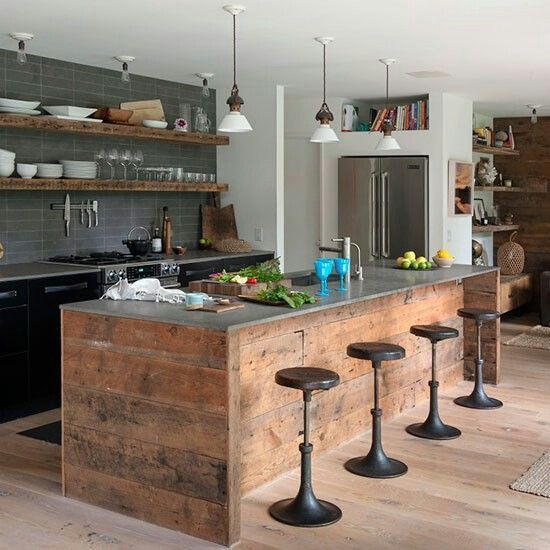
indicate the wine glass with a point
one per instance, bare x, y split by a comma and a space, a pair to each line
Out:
342, 267
111, 159
125, 159
99, 157
323, 268
137, 161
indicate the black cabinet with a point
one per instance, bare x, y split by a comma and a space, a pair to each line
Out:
45, 297
14, 370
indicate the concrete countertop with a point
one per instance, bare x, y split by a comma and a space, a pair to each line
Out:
40, 270
380, 280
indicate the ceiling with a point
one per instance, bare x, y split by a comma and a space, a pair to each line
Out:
496, 51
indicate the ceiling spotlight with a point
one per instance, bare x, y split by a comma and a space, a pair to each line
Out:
234, 121
205, 92
21, 38
534, 118
125, 59
387, 143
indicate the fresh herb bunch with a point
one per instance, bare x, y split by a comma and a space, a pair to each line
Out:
281, 293
266, 272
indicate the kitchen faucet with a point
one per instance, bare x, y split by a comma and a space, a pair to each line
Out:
345, 252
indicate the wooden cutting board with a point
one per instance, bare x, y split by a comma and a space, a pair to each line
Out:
144, 110
230, 289
218, 223
218, 308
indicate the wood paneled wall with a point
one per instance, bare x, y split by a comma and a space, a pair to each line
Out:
530, 170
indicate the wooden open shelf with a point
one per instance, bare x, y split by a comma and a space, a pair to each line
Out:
504, 189
45, 184
495, 150
47, 124
493, 228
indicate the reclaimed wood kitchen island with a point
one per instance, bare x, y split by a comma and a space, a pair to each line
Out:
171, 416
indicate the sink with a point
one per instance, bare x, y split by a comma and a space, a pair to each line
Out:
307, 278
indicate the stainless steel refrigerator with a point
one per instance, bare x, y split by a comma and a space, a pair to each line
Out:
383, 204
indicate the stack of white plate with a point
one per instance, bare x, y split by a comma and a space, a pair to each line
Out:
46, 170
78, 169
18, 107
7, 163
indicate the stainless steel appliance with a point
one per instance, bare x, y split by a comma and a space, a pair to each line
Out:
113, 266
383, 204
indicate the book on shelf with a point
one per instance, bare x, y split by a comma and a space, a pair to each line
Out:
412, 116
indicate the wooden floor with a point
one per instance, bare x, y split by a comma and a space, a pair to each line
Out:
455, 495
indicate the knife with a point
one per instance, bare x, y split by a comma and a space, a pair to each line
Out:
95, 211
67, 214
89, 212
81, 212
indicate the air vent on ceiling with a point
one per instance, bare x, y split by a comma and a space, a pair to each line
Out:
429, 74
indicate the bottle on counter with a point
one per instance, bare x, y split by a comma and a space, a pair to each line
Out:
156, 243
166, 232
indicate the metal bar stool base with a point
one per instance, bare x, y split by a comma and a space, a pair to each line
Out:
433, 430
476, 401
305, 511
377, 466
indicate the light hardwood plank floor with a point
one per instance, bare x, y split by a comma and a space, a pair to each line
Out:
455, 495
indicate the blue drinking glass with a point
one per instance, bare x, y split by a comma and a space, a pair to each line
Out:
342, 267
323, 268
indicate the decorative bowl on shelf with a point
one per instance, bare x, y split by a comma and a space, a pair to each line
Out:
443, 262
69, 110
154, 123
27, 171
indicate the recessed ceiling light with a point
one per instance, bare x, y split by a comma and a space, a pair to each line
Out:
429, 74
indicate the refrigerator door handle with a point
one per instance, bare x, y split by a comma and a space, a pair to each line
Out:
385, 215
375, 252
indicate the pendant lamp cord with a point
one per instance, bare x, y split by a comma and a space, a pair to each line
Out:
324, 74
234, 50
387, 86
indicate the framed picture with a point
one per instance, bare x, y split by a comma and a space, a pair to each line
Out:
461, 188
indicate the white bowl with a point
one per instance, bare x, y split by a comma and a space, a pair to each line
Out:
6, 170
6, 154
69, 110
443, 262
18, 104
154, 123
27, 170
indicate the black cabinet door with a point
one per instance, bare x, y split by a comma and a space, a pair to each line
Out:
45, 297
236, 264
13, 330
14, 383
198, 270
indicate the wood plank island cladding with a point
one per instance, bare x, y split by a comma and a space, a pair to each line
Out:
171, 416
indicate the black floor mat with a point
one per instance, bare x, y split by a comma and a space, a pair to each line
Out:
49, 432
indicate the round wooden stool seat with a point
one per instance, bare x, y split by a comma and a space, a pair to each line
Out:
375, 351
478, 314
434, 333
307, 378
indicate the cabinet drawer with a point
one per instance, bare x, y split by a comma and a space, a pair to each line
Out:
13, 293
13, 330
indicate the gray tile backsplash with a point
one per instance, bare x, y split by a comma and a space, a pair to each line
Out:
29, 229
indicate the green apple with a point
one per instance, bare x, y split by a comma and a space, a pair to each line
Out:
429, 265
409, 255
422, 265
414, 264
405, 264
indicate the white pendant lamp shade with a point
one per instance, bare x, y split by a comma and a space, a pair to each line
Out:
234, 121
324, 134
387, 142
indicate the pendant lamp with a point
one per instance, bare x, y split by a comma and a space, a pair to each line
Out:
387, 142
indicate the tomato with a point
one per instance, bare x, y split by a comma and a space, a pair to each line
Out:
251, 281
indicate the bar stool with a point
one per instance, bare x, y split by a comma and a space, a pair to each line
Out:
376, 463
433, 427
306, 510
478, 399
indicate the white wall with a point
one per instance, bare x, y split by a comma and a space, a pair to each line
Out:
253, 166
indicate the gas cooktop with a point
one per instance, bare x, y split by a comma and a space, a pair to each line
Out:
105, 258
